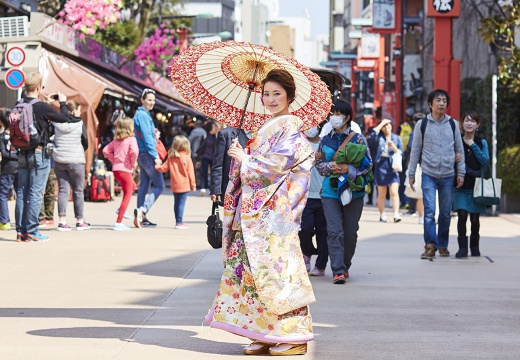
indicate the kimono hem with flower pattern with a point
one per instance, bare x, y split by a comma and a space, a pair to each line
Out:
265, 290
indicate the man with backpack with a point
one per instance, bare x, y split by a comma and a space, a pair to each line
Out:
29, 128
436, 142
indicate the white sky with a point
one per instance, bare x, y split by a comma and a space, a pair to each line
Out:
318, 10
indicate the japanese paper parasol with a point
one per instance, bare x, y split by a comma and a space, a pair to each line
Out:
223, 81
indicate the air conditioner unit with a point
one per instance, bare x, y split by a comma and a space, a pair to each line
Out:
16, 26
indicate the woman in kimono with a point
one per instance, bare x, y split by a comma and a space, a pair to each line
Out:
265, 290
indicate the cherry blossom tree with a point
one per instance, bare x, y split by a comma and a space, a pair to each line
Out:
90, 15
157, 51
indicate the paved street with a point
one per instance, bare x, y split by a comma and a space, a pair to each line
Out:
142, 294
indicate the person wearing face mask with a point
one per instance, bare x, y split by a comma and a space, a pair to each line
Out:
342, 218
385, 176
313, 217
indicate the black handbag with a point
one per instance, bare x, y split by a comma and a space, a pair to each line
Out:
215, 227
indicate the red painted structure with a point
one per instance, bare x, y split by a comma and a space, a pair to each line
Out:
446, 70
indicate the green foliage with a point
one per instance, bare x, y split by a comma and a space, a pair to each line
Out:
508, 169
120, 37
499, 30
476, 95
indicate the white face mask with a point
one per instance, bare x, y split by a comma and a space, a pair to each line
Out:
337, 121
312, 132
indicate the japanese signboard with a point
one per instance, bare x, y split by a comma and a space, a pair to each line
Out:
443, 8
384, 14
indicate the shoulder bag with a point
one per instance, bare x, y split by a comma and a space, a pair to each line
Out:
487, 191
214, 230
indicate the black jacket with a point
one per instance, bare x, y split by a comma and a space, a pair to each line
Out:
222, 161
9, 156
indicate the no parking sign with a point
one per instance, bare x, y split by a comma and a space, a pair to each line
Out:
14, 79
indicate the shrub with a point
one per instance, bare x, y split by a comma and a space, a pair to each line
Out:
508, 169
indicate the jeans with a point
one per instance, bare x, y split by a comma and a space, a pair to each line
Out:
149, 178
178, 205
70, 175
33, 170
314, 223
429, 187
6, 180
342, 228
205, 164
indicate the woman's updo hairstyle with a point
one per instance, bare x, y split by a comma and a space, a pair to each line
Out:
284, 79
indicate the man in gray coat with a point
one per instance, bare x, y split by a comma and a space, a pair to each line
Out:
436, 150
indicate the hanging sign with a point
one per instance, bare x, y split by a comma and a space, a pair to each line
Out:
384, 14
443, 8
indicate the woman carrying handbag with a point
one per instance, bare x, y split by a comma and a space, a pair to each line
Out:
476, 157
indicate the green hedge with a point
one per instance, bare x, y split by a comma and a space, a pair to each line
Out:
508, 169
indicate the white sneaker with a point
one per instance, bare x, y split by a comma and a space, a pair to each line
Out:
121, 227
421, 220
202, 192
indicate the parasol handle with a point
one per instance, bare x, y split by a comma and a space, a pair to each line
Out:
249, 91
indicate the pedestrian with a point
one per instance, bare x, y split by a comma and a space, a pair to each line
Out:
342, 216
404, 131
34, 160
122, 152
265, 290
415, 196
205, 155
313, 217
197, 136
152, 181
222, 161
8, 170
435, 145
385, 176
46, 217
182, 176
476, 156
69, 165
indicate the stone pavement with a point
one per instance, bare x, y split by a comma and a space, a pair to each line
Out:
142, 294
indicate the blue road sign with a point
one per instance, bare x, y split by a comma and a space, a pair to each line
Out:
14, 79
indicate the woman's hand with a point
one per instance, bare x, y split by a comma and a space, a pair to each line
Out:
236, 151
392, 145
318, 156
338, 168
458, 157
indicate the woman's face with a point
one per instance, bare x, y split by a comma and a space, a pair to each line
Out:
387, 129
148, 101
77, 112
469, 124
275, 99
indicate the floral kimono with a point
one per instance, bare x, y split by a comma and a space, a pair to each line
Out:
265, 290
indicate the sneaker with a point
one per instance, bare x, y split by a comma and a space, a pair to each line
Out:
317, 272
148, 223
21, 238
409, 213
37, 237
120, 227
6, 226
83, 226
63, 227
138, 217
383, 218
347, 275
444, 252
421, 220
307, 260
42, 225
202, 192
429, 251
126, 215
181, 226
397, 219
339, 279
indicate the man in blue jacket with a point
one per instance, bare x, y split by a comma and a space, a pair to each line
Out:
151, 179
